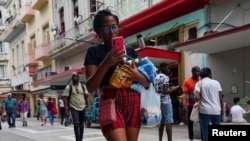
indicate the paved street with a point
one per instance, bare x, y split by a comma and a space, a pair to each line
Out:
36, 132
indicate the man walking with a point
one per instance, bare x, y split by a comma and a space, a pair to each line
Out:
76, 98
62, 109
10, 108
188, 88
162, 88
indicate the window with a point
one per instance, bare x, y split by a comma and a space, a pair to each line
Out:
191, 30
33, 43
92, 6
61, 13
46, 37
1, 48
192, 33
3, 71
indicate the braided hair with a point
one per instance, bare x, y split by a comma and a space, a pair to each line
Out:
205, 72
98, 19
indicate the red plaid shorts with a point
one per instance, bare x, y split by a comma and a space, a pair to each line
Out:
127, 102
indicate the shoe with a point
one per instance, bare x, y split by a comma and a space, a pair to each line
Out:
189, 140
42, 124
181, 123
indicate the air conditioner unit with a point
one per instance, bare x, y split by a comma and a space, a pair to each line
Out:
67, 68
53, 27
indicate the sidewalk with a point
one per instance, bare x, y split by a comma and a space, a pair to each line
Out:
36, 132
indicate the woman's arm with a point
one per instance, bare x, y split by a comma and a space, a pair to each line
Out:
95, 74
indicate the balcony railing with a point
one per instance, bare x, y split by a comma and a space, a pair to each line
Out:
65, 40
29, 59
14, 26
42, 52
27, 13
18, 70
3, 57
38, 4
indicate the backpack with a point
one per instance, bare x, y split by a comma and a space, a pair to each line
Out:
84, 91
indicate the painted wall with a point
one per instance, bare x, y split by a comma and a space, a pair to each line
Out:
231, 67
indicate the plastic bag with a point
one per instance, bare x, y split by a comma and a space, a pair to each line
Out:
67, 122
195, 113
150, 107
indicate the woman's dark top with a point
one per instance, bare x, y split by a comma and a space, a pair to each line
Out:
97, 53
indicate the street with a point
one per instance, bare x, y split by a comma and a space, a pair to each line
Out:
36, 132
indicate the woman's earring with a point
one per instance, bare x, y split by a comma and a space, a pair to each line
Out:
97, 37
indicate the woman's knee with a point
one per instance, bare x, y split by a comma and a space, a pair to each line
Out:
116, 135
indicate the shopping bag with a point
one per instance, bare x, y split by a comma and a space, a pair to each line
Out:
53, 110
195, 113
107, 114
67, 122
150, 107
3, 118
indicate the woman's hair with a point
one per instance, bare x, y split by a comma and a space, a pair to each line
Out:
98, 20
236, 100
205, 72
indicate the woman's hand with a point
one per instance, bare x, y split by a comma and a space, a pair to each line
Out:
114, 56
132, 71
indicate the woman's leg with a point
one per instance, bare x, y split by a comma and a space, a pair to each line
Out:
22, 117
204, 122
25, 118
50, 117
118, 134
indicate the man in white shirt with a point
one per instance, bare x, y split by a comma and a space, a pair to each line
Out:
237, 112
62, 109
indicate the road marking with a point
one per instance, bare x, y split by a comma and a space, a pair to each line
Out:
86, 137
39, 129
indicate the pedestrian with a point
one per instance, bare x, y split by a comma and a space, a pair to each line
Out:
10, 108
238, 114
181, 111
100, 63
2, 111
226, 115
23, 109
61, 109
162, 88
38, 108
188, 88
43, 110
50, 104
209, 92
76, 98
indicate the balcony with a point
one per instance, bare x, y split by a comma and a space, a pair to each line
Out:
27, 13
4, 57
15, 25
41, 52
71, 41
38, 4
29, 59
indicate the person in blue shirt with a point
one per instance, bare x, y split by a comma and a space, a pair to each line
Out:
10, 107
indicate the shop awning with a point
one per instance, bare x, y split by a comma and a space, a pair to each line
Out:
157, 55
159, 13
60, 78
218, 42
